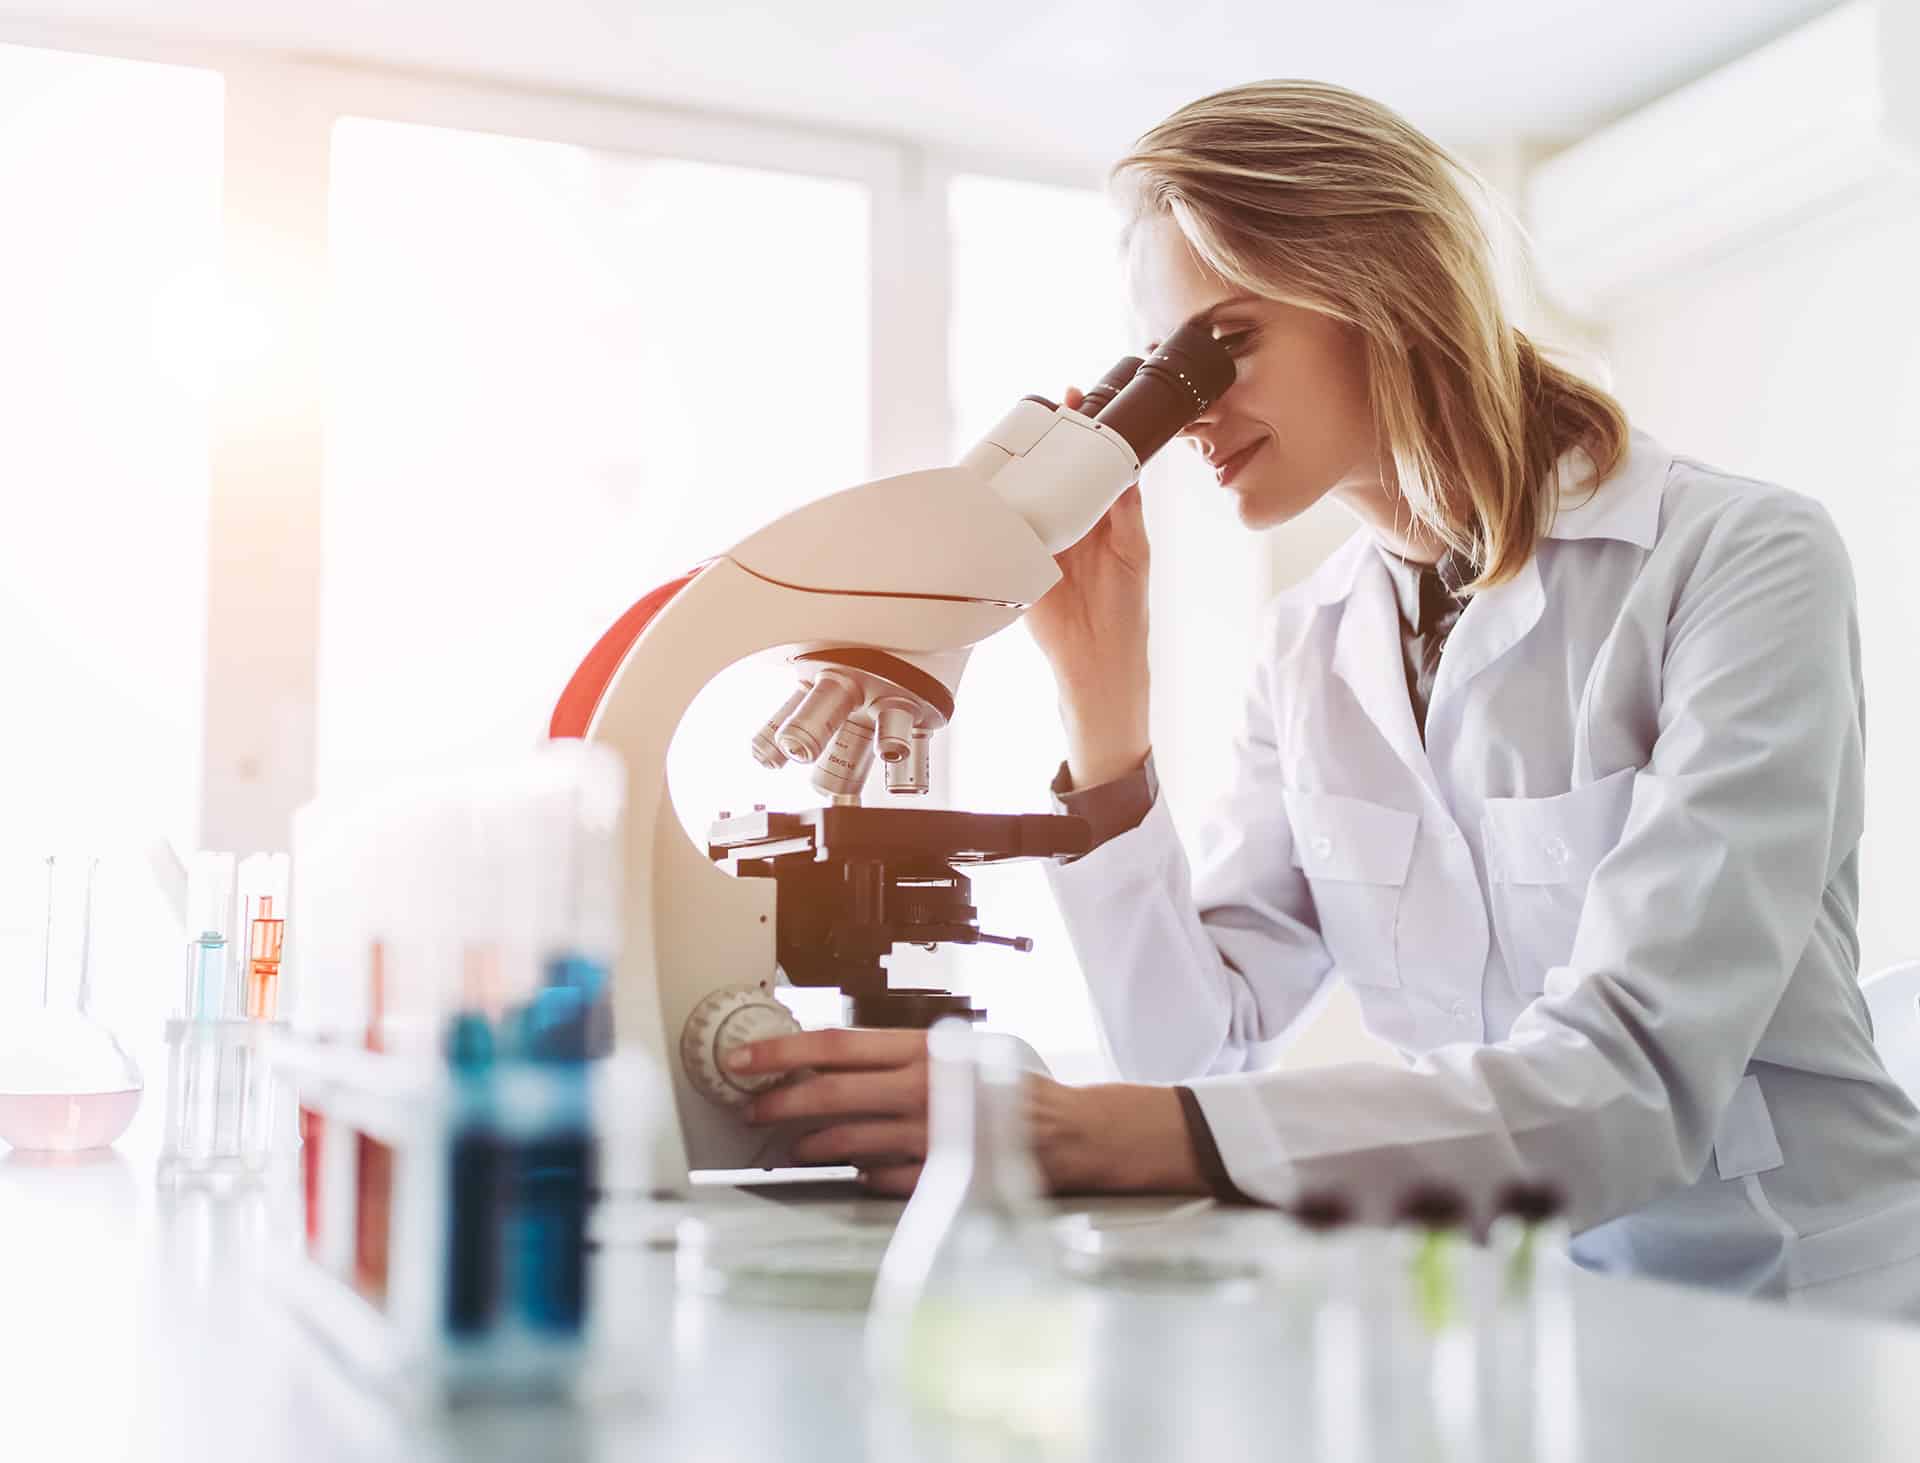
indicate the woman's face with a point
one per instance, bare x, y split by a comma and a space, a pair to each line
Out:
1297, 423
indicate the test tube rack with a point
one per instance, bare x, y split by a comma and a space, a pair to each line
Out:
409, 1266
228, 1118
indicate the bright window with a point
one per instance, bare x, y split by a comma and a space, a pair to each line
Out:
110, 175
561, 377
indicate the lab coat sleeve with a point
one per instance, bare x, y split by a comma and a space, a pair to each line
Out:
1613, 1081
1190, 968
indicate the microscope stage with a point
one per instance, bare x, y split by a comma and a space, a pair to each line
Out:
892, 835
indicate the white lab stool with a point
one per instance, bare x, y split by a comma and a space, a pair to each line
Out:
1893, 1000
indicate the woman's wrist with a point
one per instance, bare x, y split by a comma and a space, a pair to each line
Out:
1117, 1137
1106, 739
1097, 766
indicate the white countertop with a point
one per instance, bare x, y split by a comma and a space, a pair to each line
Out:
138, 1325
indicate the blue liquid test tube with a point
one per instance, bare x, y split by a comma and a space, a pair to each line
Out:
474, 1178
210, 914
550, 1163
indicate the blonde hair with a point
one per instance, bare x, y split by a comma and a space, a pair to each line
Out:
1308, 193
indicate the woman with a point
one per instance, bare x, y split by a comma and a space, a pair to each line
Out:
1593, 869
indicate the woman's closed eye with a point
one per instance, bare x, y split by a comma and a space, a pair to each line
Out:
1236, 342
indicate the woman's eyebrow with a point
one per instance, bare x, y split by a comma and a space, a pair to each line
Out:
1205, 317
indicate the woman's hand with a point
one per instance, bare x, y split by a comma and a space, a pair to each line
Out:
870, 1088
1092, 628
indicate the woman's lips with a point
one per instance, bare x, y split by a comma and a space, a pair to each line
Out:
1229, 468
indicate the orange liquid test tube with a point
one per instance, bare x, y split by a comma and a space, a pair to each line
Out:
264, 943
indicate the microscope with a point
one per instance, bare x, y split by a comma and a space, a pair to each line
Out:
875, 596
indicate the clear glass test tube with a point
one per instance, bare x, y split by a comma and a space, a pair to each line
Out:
209, 935
1524, 1385
1395, 1333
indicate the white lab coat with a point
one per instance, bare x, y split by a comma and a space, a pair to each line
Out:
1606, 912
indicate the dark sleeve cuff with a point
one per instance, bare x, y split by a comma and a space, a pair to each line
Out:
1206, 1152
1112, 808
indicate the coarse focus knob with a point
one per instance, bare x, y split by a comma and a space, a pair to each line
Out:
725, 1019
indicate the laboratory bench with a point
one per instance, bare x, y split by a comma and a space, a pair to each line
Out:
144, 1324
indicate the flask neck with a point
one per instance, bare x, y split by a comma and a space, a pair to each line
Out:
978, 1121
66, 944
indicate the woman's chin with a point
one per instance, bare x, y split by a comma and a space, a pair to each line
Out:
1258, 511
1270, 504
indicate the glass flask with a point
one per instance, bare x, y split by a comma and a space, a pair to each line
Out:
973, 1322
66, 1083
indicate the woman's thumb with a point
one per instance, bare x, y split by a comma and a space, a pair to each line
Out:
1128, 520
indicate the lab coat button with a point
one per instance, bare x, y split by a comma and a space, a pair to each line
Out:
1322, 846
1558, 851
1459, 1011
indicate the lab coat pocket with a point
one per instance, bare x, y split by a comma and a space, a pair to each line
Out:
1540, 853
1355, 855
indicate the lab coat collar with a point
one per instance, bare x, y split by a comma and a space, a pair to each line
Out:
1626, 506
1366, 649
1333, 581
1366, 655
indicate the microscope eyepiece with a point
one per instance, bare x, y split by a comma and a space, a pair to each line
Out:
1184, 376
1109, 386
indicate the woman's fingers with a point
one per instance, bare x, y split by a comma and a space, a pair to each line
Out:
822, 1050
1072, 398
886, 1143
892, 1092
1126, 530
896, 1180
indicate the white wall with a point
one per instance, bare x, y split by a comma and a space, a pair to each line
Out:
1797, 360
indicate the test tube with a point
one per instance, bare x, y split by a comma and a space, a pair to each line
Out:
1348, 1327
197, 1062
573, 819
210, 926
263, 901
1526, 1399
252, 988
473, 1182
373, 1160
1432, 1330
1396, 1302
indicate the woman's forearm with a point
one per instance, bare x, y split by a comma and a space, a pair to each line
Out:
1106, 729
1116, 1137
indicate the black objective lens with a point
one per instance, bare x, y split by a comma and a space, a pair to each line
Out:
1184, 376
1096, 400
